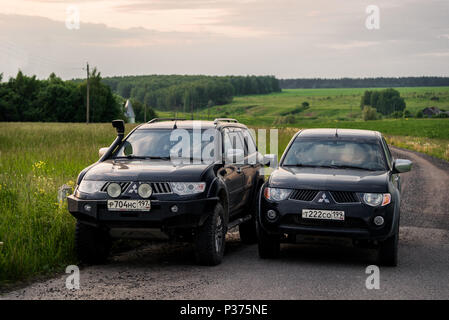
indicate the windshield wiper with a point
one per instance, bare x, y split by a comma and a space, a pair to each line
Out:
352, 167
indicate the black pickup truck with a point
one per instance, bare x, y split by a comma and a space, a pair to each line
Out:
337, 183
146, 186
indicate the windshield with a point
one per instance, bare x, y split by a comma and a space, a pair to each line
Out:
162, 144
335, 154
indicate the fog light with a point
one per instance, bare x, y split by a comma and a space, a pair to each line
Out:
114, 190
145, 190
174, 209
271, 214
87, 207
379, 220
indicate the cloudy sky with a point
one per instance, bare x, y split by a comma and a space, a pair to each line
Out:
285, 38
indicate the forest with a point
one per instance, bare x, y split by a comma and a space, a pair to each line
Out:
380, 82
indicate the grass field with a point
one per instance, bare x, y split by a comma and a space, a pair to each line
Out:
36, 159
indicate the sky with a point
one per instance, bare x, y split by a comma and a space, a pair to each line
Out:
285, 38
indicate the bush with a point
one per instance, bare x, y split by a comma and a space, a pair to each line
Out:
441, 115
305, 104
289, 119
420, 114
369, 113
397, 114
407, 114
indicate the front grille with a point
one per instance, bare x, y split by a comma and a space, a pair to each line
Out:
123, 185
303, 195
160, 187
344, 197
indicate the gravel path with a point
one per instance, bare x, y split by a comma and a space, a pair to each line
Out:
168, 271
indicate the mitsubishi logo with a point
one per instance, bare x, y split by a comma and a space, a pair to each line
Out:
323, 198
133, 189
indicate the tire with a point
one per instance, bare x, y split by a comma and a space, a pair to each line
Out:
388, 250
269, 245
92, 244
210, 239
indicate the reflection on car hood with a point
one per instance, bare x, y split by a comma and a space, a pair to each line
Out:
145, 170
330, 179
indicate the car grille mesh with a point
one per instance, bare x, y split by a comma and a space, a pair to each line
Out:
344, 196
303, 195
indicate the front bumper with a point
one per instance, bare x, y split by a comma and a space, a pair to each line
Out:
190, 214
358, 222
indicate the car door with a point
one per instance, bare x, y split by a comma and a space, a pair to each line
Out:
231, 172
250, 166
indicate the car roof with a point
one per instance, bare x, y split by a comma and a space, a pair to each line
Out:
189, 124
340, 133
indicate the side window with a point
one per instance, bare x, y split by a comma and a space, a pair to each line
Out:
250, 145
227, 144
236, 140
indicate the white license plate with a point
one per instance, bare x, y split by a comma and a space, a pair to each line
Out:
323, 214
129, 205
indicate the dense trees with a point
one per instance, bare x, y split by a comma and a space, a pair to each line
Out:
365, 82
26, 98
387, 101
187, 93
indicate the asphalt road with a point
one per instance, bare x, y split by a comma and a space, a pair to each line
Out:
167, 271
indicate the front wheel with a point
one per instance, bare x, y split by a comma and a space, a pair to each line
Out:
269, 245
210, 238
388, 250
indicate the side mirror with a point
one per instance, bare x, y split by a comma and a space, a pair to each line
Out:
402, 165
234, 156
102, 151
270, 160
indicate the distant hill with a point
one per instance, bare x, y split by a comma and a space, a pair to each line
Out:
364, 82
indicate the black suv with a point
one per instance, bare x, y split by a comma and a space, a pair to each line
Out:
170, 179
333, 182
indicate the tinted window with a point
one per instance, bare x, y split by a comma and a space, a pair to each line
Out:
335, 153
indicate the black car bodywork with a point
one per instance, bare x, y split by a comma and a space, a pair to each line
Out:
229, 196
316, 190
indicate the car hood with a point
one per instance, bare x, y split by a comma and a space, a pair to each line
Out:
330, 179
145, 170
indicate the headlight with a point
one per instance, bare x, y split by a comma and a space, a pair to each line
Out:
114, 190
87, 186
185, 188
145, 190
276, 194
376, 199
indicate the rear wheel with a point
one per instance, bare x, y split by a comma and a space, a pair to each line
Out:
210, 238
388, 250
92, 244
269, 245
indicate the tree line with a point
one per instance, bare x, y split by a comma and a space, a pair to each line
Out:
387, 102
187, 93
380, 82
25, 98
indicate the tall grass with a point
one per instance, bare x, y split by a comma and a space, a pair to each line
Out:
35, 160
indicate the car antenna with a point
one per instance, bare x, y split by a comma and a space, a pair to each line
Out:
336, 132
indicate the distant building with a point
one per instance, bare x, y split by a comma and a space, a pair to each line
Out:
431, 111
129, 112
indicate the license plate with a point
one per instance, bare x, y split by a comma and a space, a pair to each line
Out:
323, 214
129, 205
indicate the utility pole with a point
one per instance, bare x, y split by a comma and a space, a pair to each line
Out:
87, 102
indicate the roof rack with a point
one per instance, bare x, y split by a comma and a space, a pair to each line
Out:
164, 119
225, 120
